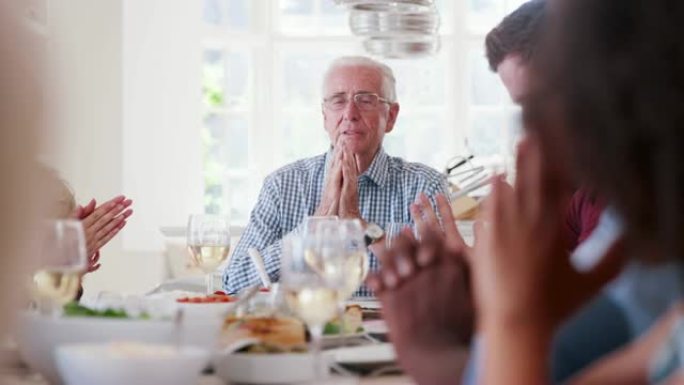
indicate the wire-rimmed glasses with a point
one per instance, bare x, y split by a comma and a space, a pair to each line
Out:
366, 101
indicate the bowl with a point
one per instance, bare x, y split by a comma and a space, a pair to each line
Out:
207, 311
130, 364
277, 368
38, 336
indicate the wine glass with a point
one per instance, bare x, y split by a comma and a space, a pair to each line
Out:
351, 258
309, 293
62, 263
208, 238
312, 223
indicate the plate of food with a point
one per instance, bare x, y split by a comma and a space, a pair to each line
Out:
366, 359
213, 305
342, 331
38, 335
276, 342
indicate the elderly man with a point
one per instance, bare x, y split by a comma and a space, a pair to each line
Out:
355, 178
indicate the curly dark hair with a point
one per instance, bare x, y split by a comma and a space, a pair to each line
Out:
617, 68
518, 33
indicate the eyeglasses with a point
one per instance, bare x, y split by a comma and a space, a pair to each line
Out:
364, 101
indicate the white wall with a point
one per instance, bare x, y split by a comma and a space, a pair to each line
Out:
116, 73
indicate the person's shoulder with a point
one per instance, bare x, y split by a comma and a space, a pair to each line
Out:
299, 168
415, 170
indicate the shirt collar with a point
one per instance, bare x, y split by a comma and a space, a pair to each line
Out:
378, 171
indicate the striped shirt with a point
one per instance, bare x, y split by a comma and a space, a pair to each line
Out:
293, 192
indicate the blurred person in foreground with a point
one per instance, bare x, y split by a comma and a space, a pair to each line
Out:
20, 120
609, 320
510, 49
354, 179
610, 106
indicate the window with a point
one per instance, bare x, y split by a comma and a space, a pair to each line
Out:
262, 69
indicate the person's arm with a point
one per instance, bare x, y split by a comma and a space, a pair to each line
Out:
264, 232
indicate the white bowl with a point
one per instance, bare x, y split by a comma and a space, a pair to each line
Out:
111, 364
38, 336
267, 368
207, 311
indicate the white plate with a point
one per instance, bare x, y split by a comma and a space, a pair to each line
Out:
265, 368
366, 303
336, 337
38, 335
367, 354
207, 310
104, 364
189, 284
336, 340
377, 326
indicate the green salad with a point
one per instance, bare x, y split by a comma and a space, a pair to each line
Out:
74, 309
334, 328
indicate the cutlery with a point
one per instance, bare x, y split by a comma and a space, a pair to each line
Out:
258, 262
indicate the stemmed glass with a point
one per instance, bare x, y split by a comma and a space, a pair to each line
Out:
351, 259
208, 238
63, 261
309, 293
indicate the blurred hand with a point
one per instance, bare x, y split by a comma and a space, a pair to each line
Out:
429, 313
93, 262
426, 221
83, 211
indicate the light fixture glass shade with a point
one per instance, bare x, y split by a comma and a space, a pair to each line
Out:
402, 47
395, 28
390, 21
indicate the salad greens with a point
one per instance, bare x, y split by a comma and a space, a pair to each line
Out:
74, 309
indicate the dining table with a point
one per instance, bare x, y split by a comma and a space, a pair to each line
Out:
15, 372
20, 375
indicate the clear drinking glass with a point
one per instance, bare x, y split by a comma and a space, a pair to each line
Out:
309, 292
63, 261
208, 238
351, 258
312, 223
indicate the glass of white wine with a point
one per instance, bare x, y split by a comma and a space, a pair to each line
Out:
311, 295
208, 238
350, 258
63, 261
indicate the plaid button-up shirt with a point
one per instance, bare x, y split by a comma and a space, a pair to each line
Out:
293, 192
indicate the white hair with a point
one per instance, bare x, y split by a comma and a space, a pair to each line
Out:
389, 91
